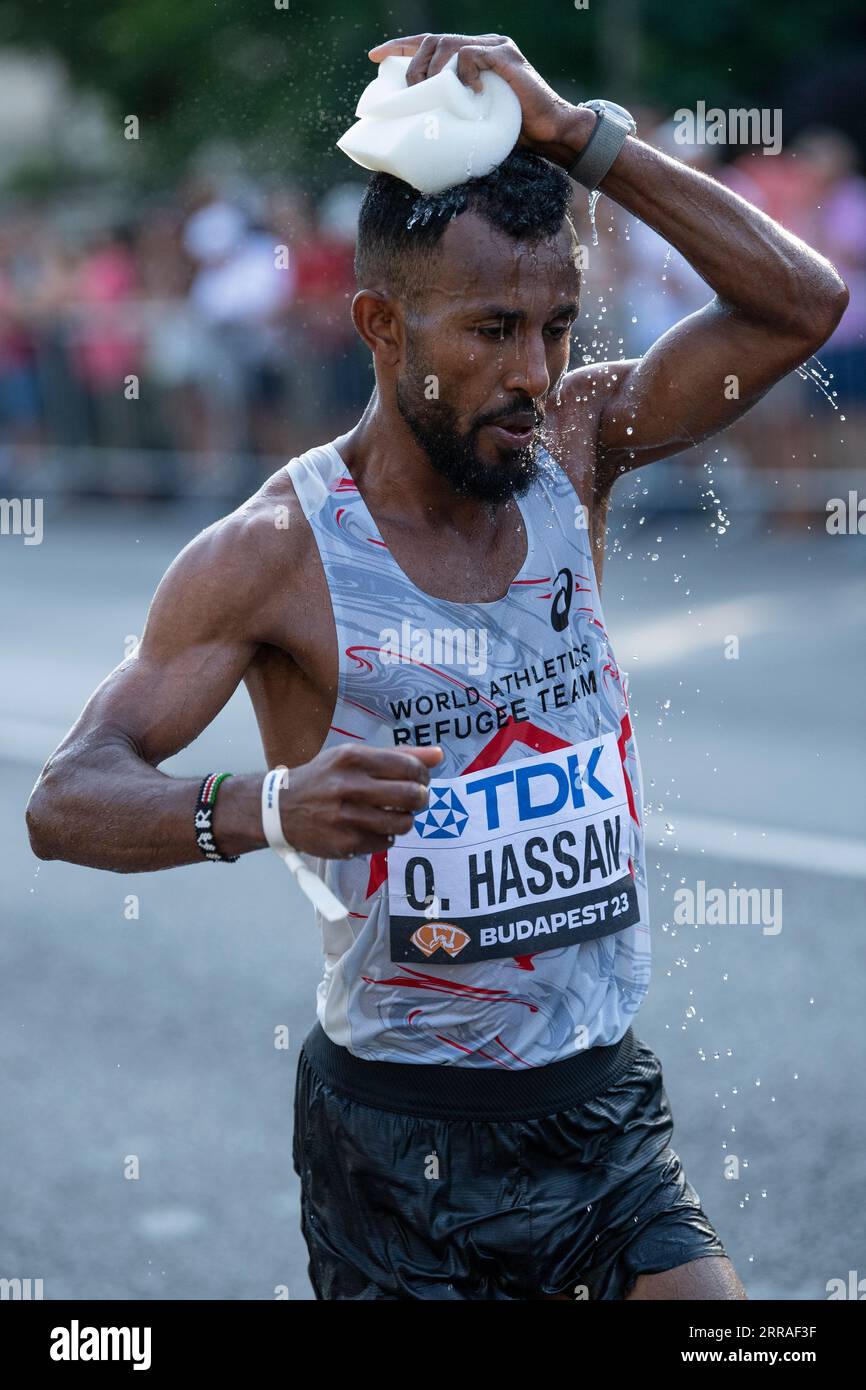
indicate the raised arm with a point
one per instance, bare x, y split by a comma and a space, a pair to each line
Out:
776, 300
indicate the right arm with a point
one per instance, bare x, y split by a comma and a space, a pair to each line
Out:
101, 800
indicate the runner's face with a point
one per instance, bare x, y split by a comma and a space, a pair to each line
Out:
487, 342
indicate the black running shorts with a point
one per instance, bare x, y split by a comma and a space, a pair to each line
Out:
437, 1182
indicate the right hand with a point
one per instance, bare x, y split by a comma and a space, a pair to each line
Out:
353, 799
547, 117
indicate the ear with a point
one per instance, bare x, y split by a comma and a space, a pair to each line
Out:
379, 322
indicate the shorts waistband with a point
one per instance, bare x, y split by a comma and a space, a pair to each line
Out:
472, 1093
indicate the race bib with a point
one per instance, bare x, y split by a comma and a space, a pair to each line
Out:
516, 859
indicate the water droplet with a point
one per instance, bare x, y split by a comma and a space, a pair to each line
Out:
593, 203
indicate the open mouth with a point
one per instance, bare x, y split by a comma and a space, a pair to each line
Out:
516, 431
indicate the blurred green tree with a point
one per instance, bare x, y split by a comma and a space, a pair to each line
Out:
281, 77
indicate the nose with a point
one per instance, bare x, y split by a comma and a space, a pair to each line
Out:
527, 371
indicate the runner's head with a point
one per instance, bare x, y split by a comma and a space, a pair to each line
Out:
466, 299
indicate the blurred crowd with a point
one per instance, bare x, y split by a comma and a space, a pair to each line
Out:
187, 344
190, 338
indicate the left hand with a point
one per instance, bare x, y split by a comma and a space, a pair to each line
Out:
547, 118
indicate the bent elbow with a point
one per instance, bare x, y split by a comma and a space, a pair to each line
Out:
837, 301
44, 812
826, 311
39, 824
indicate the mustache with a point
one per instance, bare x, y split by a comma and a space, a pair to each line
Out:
521, 408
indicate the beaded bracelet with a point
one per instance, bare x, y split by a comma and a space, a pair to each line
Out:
204, 819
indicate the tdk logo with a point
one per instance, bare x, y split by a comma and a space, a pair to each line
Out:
572, 781
445, 817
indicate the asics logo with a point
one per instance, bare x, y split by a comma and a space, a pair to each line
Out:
561, 606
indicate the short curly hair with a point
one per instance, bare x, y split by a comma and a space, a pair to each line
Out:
399, 228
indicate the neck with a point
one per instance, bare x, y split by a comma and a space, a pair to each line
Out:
396, 476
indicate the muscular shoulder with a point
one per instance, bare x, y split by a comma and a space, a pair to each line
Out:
575, 426
586, 394
234, 573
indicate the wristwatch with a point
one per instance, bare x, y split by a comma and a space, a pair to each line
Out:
612, 126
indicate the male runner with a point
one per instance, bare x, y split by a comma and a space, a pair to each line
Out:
475, 1118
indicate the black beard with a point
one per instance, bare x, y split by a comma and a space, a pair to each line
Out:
455, 455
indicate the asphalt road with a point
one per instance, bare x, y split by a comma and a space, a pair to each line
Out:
150, 1038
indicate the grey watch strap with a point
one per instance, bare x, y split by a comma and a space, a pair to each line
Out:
602, 148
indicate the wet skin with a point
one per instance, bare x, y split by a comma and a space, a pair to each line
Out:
247, 599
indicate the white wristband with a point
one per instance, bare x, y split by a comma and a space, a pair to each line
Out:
273, 827
318, 892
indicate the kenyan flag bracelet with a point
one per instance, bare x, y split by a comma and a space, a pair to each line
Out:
204, 819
